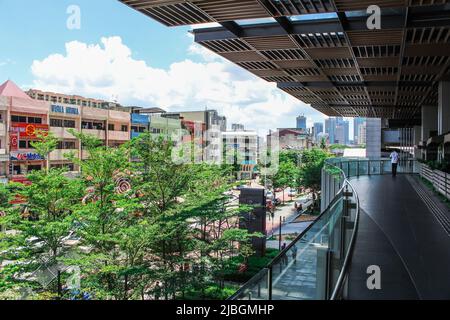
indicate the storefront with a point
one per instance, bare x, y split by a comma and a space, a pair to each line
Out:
24, 162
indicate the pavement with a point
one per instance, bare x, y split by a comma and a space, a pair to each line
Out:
287, 213
288, 227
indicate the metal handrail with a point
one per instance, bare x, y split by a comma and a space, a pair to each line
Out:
348, 256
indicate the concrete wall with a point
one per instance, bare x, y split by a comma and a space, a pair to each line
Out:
373, 138
429, 121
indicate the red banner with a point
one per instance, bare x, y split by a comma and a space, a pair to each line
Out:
28, 130
14, 141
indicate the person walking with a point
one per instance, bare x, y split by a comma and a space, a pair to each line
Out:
394, 160
294, 254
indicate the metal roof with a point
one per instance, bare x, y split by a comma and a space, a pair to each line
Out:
322, 52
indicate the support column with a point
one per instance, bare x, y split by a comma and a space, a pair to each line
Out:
417, 136
444, 107
429, 121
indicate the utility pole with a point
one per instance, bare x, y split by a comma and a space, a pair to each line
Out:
279, 238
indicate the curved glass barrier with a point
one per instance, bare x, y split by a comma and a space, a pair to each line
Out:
314, 266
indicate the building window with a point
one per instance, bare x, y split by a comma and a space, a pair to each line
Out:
69, 123
34, 120
34, 168
99, 126
66, 145
19, 119
124, 128
25, 144
17, 170
92, 125
87, 125
58, 123
111, 127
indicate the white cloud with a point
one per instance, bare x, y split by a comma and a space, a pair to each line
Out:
109, 70
6, 62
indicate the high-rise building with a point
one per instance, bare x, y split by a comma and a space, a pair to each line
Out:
357, 123
362, 134
330, 129
337, 130
301, 123
318, 129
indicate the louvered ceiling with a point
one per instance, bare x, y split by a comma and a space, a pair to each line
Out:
335, 63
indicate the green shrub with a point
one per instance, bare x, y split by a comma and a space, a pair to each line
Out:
211, 292
255, 265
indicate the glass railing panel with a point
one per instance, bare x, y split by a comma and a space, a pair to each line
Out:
375, 167
301, 272
363, 169
387, 166
341, 236
353, 169
256, 289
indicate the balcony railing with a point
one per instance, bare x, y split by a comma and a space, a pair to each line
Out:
315, 265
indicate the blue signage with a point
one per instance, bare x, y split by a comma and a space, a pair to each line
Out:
57, 108
71, 110
26, 157
61, 109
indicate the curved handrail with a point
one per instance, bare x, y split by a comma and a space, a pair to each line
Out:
344, 272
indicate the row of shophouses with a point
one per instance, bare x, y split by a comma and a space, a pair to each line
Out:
22, 114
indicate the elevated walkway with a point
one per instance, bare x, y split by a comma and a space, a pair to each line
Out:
403, 229
369, 219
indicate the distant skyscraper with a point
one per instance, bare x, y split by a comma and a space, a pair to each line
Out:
301, 123
357, 124
330, 129
337, 130
318, 129
362, 134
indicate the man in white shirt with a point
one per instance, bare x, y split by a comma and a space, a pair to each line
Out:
394, 160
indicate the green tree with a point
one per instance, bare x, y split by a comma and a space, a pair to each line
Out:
287, 173
104, 217
41, 227
310, 173
217, 235
323, 143
166, 191
45, 145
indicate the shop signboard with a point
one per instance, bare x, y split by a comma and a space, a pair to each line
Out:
28, 130
25, 156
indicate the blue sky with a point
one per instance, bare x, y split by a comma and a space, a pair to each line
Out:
120, 53
41, 29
